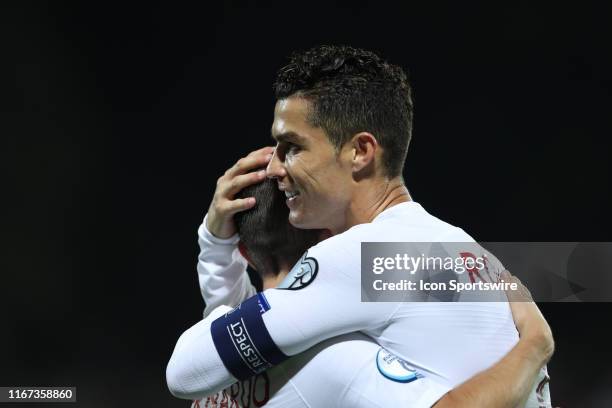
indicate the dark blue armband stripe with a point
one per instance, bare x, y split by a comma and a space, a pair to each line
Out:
242, 339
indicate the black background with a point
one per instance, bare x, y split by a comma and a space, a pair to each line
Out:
117, 120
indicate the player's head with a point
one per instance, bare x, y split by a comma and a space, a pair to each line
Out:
342, 115
270, 242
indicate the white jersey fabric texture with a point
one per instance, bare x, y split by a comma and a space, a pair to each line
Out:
339, 372
447, 342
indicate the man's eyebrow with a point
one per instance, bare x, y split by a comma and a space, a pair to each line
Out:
287, 137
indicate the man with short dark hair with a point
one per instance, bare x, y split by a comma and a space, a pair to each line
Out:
342, 123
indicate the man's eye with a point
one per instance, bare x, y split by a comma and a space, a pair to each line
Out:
292, 147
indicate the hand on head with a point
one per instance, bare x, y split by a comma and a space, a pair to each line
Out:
224, 204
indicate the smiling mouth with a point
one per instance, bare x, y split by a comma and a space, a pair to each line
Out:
291, 194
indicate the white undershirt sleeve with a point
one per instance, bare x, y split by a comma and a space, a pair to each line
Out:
221, 271
195, 369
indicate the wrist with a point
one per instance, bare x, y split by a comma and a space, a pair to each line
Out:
206, 233
216, 227
539, 345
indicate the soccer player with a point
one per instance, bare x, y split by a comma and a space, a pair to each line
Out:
342, 123
351, 363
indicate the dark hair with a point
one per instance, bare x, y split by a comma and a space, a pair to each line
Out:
265, 230
352, 90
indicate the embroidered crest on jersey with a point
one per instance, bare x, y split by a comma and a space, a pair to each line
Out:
302, 274
394, 368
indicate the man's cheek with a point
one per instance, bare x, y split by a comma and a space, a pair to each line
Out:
313, 181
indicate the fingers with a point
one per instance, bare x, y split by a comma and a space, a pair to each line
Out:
233, 186
521, 293
254, 160
219, 220
223, 206
231, 207
241, 174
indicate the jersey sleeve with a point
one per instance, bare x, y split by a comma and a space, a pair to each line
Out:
190, 376
221, 271
320, 298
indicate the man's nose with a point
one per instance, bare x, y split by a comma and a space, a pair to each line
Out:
275, 167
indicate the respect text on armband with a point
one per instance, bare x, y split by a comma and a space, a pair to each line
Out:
242, 339
243, 343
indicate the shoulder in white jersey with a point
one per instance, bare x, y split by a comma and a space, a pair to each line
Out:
446, 342
339, 372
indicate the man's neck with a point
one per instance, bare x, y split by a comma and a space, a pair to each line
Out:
372, 198
272, 281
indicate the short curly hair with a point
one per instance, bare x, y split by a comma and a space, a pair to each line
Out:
350, 91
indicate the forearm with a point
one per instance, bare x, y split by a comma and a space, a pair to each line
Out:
221, 271
506, 384
195, 369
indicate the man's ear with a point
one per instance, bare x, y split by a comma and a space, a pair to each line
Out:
245, 253
363, 149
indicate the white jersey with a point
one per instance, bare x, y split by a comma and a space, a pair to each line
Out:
446, 342
339, 372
